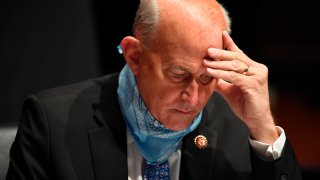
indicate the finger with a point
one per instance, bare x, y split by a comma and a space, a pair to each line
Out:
227, 55
233, 65
230, 45
223, 87
235, 78
228, 42
223, 55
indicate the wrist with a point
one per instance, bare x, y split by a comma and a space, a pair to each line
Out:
266, 133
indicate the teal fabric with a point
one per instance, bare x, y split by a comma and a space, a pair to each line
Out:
155, 142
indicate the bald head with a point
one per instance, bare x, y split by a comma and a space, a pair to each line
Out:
155, 15
166, 56
199, 11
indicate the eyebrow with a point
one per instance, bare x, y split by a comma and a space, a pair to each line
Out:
178, 67
182, 68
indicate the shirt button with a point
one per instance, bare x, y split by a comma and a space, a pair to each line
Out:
269, 155
275, 154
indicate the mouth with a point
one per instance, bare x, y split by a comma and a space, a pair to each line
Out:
183, 112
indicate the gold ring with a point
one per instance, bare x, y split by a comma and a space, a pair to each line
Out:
245, 70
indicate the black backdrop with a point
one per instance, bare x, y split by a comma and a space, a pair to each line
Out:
45, 44
49, 43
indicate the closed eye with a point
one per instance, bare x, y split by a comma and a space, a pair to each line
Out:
178, 75
204, 79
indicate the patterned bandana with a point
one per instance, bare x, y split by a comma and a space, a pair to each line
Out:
155, 142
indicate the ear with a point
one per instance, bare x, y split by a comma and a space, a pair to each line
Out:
131, 49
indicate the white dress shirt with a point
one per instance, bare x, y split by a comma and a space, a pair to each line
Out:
135, 159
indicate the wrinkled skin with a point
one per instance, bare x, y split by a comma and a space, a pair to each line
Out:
191, 57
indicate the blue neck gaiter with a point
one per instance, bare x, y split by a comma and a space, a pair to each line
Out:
155, 142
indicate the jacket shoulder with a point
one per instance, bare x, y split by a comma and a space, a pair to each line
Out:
87, 87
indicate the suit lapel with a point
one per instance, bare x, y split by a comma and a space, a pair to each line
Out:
109, 142
198, 163
109, 160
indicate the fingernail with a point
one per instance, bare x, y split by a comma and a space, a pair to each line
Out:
211, 51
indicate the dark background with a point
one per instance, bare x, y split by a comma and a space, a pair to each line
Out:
45, 44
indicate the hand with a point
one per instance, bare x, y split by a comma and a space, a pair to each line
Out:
244, 84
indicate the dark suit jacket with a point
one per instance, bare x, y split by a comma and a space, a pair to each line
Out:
78, 132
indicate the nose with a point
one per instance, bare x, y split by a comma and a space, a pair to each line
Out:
191, 93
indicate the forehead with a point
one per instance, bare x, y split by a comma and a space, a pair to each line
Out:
187, 46
189, 27
185, 32
187, 41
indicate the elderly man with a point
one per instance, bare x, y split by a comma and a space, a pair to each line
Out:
188, 104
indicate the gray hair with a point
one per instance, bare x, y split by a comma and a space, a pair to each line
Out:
147, 18
226, 18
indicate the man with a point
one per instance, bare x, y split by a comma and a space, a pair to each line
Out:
187, 98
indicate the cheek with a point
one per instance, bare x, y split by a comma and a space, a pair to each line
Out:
168, 94
157, 94
162, 101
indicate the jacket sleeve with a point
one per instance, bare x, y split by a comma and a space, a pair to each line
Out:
29, 153
285, 167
